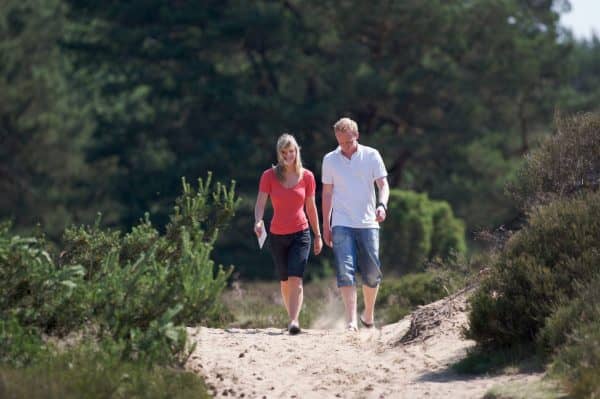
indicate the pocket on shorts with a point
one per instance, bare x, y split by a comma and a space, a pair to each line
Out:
339, 236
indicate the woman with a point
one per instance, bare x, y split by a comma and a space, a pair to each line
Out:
292, 189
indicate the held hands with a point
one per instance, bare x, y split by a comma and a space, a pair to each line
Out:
258, 228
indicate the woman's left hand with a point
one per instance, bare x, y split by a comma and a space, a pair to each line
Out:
318, 245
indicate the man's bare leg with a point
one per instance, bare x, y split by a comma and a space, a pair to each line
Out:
369, 295
349, 297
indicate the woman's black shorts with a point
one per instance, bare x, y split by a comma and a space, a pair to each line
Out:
290, 253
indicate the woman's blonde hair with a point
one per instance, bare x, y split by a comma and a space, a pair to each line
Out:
285, 141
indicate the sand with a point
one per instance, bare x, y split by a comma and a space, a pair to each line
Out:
407, 359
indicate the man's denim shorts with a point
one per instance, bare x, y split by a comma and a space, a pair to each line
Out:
356, 250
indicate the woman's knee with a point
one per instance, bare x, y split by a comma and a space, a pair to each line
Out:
296, 281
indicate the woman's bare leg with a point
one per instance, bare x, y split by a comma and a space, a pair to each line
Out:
295, 298
285, 294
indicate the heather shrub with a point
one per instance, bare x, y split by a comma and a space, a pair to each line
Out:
577, 363
418, 229
570, 314
540, 265
565, 163
571, 335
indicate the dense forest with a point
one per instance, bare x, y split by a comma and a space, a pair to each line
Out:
105, 106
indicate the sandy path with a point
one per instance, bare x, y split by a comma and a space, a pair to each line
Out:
332, 363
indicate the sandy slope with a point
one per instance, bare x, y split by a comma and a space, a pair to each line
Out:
408, 359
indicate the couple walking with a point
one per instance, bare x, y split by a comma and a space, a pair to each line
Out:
351, 218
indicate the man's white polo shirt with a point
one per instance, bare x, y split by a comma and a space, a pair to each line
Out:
353, 186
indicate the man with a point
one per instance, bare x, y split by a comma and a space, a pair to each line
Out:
351, 217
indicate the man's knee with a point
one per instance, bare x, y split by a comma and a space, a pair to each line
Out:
345, 280
372, 279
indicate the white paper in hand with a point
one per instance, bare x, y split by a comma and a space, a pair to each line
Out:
262, 237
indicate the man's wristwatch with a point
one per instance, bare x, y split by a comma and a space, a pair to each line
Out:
381, 204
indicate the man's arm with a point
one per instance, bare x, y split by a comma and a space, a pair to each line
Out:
327, 206
383, 191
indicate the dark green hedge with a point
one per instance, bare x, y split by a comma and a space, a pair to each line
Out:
418, 229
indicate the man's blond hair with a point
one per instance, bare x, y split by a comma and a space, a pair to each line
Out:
346, 125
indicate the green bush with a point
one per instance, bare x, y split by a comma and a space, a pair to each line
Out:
19, 346
37, 291
418, 229
540, 265
565, 163
577, 363
139, 290
147, 285
448, 236
572, 335
571, 314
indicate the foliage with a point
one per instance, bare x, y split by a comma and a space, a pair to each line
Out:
578, 362
138, 290
540, 265
582, 94
546, 262
97, 371
565, 163
418, 229
19, 346
543, 286
571, 314
106, 105
35, 290
45, 176
570, 336
131, 96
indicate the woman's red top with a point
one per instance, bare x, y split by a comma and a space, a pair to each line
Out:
288, 203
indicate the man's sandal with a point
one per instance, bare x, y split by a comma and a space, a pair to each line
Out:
364, 323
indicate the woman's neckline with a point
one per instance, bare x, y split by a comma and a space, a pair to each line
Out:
295, 185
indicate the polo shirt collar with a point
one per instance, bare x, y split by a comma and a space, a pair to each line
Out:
358, 150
